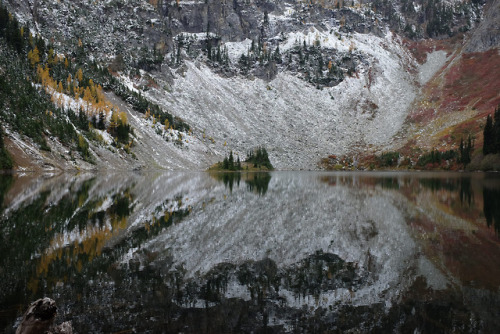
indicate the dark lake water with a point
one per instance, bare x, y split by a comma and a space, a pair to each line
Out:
306, 252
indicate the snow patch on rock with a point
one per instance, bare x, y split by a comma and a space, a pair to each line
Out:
435, 61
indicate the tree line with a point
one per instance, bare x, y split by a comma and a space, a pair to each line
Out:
491, 133
258, 158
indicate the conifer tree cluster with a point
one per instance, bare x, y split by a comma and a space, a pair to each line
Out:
230, 164
438, 157
316, 65
491, 132
10, 30
26, 109
260, 52
65, 97
465, 151
5, 158
216, 53
259, 158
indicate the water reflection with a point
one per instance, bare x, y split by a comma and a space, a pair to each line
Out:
257, 182
492, 207
274, 252
462, 193
6, 181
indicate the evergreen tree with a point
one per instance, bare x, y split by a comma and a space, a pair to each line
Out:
320, 65
301, 57
496, 131
266, 17
277, 55
209, 49
5, 158
93, 120
259, 158
178, 57
489, 137
218, 56
469, 150
101, 124
466, 151
462, 150
231, 161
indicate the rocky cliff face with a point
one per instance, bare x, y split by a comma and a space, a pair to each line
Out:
487, 34
305, 79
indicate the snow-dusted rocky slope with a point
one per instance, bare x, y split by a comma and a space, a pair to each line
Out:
300, 116
295, 121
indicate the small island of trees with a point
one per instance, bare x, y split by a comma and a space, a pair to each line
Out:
256, 160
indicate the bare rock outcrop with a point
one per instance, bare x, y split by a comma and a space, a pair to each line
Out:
39, 318
487, 34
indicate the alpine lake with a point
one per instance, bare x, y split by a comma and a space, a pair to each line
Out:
278, 252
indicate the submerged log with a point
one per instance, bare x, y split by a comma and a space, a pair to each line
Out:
39, 319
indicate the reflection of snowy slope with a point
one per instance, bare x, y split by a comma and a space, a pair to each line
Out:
296, 217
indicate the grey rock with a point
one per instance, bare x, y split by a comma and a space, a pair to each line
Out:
487, 34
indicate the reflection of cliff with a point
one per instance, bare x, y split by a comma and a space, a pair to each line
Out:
165, 301
297, 217
446, 216
308, 252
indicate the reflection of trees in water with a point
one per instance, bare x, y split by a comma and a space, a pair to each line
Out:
259, 183
256, 182
466, 193
5, 184
436, 184
389, 183
28, 230
150, 292
37, 254
160, 298
491, 198
44, 240
162, 295
229, 179
461, 185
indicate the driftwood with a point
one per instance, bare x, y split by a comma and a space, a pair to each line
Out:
39, 319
